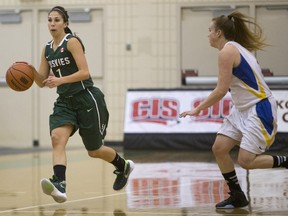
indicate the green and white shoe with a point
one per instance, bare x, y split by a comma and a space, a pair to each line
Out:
122, 177
54, 188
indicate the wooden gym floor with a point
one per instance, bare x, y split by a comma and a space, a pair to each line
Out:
162, 183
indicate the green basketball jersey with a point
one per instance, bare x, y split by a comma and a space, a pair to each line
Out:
62, 64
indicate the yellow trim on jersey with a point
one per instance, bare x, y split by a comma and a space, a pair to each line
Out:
259, 94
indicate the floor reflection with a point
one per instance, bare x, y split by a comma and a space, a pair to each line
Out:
118, 212
60, 212
230, 212
162, 183
177, 185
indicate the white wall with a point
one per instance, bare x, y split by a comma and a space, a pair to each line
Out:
16, 109
195, 48
155, 30
275, 26
196, 52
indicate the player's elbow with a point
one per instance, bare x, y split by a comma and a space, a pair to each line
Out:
39, 81
40, 84
86, 75
220, 94
222, 91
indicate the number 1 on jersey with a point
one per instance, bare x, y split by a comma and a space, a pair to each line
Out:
59, 72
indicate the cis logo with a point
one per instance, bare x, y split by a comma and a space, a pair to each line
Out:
156, 110
215, 113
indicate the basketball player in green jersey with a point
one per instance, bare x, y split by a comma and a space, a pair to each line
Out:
80, 105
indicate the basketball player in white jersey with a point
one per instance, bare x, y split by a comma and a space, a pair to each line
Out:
252, 124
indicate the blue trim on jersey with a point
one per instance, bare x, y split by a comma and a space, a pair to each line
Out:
264, 112
245, 73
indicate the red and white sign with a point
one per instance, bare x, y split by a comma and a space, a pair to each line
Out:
157, 111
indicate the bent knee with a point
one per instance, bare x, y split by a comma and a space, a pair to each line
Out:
60, 136
247, 160
216, 149
223, 145
245, 164
94, 154
56, 139
219, 149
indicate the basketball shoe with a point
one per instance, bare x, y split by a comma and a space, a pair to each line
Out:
122, 176
55, 188
237, 199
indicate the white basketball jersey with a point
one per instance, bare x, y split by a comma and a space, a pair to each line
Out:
248, 86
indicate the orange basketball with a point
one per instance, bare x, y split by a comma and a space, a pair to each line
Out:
19, 76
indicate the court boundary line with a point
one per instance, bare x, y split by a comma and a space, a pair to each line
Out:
77, 200
26, 209
52, 204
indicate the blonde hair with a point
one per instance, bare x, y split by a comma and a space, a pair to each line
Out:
235, 28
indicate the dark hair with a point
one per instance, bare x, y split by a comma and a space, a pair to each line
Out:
65, 17
234, 27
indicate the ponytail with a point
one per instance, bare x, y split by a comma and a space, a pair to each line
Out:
235, 28
83, 47
67, 30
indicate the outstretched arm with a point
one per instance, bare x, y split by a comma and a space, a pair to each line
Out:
225, 64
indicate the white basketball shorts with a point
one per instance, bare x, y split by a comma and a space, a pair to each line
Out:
255, 128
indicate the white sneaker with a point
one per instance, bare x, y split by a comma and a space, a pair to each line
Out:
54, 188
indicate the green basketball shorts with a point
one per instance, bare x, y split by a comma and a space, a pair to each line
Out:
87, 112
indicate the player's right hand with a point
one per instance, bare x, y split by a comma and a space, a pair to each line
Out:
190, 113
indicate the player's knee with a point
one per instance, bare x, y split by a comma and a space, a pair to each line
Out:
245, 164
58, 142
94, 154
217, 149
56, 139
